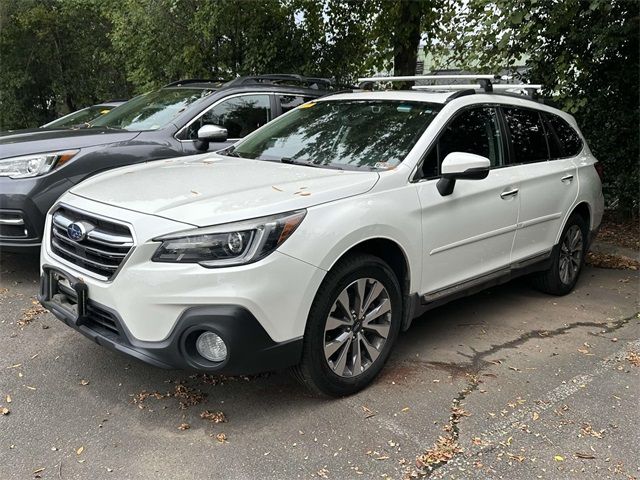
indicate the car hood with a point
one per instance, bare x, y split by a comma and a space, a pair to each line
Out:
211, 189
25, 142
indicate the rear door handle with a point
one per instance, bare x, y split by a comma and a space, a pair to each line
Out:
509, 193
567, 178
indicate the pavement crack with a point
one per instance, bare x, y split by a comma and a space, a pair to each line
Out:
478, 359
447, 447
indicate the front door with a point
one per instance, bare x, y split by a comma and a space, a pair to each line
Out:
240, 115
468, 234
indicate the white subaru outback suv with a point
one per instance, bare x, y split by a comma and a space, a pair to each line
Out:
318, 238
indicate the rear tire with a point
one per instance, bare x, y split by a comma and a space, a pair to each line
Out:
346, 346
567, 259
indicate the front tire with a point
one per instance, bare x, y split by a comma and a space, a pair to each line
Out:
352, 326
566, 261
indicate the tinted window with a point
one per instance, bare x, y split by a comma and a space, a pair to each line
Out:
568, 137
288, 102
356, 133
472, 131
555, 149
81, 116
239, 115
527, 135
151, 111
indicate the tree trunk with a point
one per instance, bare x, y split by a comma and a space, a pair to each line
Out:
406, 39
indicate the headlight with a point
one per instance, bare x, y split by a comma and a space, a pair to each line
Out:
230, 244
34, 165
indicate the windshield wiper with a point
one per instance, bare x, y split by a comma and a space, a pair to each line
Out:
292, 161
228, 152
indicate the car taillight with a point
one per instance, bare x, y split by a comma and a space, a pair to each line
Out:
600, 169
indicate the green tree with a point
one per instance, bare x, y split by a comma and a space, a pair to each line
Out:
585, 53
166, 40
55, 56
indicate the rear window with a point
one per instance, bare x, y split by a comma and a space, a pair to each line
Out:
527, 135
570, 141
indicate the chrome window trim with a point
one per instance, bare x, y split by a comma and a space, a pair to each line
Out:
78, 268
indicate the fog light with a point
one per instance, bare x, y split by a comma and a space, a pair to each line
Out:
211, 347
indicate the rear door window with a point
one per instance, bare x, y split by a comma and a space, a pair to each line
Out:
528, 136
289, 102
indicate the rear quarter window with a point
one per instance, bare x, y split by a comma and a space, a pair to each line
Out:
570, 141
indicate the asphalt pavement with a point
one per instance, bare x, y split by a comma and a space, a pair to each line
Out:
509, 383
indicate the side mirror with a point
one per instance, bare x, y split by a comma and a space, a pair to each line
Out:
462, 166
210, 133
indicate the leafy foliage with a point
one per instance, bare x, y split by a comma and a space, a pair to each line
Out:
60, 55
585, 53
54, 54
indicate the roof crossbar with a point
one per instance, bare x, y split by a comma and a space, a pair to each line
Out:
466, 86
484, 81
530, 90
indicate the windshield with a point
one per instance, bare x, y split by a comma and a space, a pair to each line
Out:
81, 116
354, 133
152, 110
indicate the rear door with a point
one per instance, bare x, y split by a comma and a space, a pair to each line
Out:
468, 235
548, 181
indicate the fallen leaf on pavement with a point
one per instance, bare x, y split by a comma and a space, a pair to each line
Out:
184, 426
587, 430
221, 437
215, 417
535, 415
79, 451
519, 458
558, 458
634, 359
8, 398
368, 413
441, 452
4, 411
84, 382
616, 262
31, 313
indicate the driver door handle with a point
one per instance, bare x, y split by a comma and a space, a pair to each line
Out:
509, 193
567, 178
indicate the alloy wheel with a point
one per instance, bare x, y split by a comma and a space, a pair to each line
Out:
357, 327
571, 251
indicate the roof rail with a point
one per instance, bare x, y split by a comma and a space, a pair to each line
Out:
188, 81
282, 77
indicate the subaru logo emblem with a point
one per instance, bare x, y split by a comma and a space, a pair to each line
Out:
76, 231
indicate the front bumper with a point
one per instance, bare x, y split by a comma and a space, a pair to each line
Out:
152, 307
27, 199
249, 348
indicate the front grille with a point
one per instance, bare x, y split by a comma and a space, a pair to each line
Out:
103, 245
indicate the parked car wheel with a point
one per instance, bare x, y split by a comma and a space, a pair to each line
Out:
567, 259
352, 326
